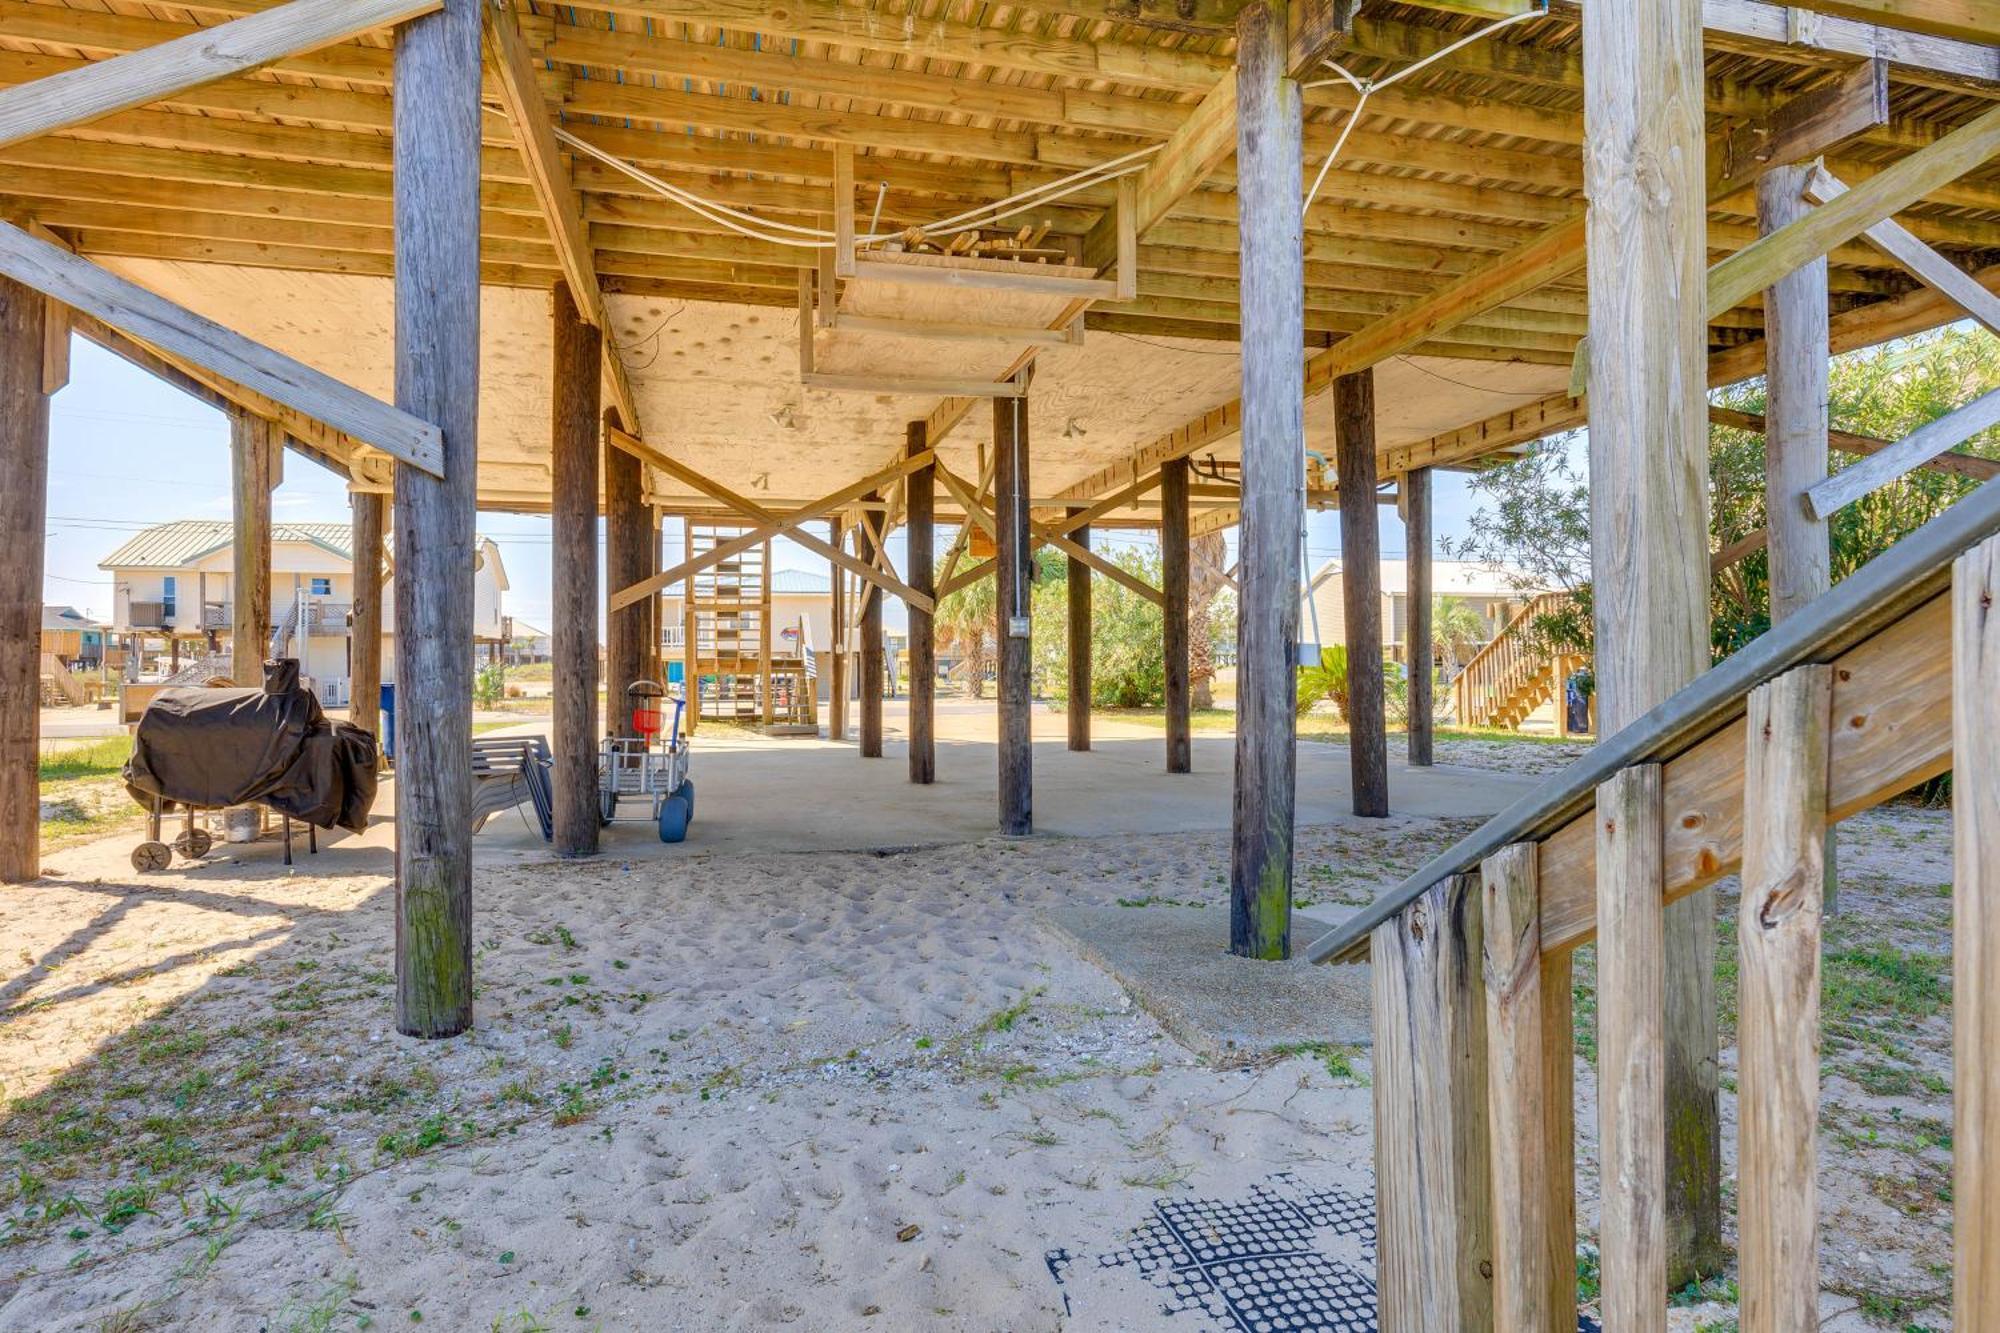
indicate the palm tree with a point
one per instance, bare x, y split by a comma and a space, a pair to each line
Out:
1205, 579
1458, 629
964, 625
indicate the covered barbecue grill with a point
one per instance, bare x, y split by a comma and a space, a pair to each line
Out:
200, 750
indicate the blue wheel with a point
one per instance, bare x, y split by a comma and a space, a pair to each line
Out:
675, 812
687, 791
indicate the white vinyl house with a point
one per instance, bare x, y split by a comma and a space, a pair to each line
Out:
174, 581
1496, 593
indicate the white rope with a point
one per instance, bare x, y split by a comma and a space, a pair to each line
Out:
761, 228
1365, 88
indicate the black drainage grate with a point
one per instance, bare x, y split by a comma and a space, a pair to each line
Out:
1285, 1259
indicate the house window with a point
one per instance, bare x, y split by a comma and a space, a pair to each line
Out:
167, 595
322, 587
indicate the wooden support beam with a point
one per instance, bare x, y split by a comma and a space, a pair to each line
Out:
1078, 644
1314, 30
253, 456
628, 524
574, 455
1420, 649
1433, 1184
156, 72
1972, 21
1516, 1098
1272, 422
1920, 446
868, 662
1796, 336
919, 541
1361, 592
1647, 361
1929, 267
364, 635
1631, 1043
1176, 645
514, 68
836, 716
1843, 218
1013, 559
128, 307
1202, 143
1975, 951
436, 147
1778, 1033
24, 461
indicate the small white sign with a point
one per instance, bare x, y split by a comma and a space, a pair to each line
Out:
1017, 627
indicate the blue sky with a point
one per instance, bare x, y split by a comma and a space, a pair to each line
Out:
127, 451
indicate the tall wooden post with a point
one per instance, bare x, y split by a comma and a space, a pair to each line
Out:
868, 662
364, 634
628, 533
1078, 591
1174, 537
436, 148
24, 462
1419, 650
656, 609
1646, 180
1013, 562
919, 513
253, 445
1273, 383
1975, 938
836, 713
1433, 1186
1796, 340
1361, 591
573, 455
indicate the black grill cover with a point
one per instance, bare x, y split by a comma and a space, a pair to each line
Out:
216, 747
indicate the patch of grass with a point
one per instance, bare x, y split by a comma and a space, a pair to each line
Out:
1339, 1060
102, 758
1003, 1020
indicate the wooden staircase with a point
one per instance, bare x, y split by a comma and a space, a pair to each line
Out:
1508, 679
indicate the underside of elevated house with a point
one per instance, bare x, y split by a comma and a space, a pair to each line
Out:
1001, 276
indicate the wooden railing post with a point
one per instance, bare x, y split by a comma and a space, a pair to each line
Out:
1778, 934
1433, 1201
1631, 1034
1975, 952
1529, 1102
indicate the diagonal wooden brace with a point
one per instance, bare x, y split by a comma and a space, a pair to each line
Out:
771, 523
1044, 535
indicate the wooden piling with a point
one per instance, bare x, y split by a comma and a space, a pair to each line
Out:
836, 713
1419, 649
1778, 1031
919, 538
253, 446
1174, 537
868, 663
1272, 299
1631, 1007
1013, 560
1975, 938
436, 147
628, 531
574, 462
24, 462
1645, 176
364, 634
1078, 593
1433, 1185
1361, 591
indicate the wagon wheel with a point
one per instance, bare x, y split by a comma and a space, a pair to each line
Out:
151, 856
194, 844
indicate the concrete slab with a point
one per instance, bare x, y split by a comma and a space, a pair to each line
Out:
759, 793
1176, 963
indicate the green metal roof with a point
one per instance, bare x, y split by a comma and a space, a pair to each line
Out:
181, 543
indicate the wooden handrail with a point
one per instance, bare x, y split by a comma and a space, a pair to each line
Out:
1904, 577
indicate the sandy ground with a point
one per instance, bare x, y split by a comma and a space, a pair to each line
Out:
830, 1090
